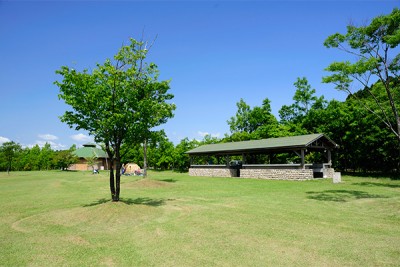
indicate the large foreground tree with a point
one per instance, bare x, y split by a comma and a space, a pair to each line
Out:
375, 47
111, 102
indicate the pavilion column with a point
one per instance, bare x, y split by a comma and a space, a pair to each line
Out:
329, 157
302, 159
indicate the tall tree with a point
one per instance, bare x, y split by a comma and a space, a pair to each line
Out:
154, 111
161, 152
46, 157
181, 159
375, 47
304, 96
110, 101
9, 150
240, 122
249, 120
263, 122
65, 158
304, 99
34, 157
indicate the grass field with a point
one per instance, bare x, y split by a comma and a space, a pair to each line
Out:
66, 218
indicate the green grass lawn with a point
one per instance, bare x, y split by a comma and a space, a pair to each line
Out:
66, 218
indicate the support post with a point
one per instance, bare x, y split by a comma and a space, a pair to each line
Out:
302, 159
329, 158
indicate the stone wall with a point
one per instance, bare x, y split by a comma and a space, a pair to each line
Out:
212, 172
278, 174
329, 172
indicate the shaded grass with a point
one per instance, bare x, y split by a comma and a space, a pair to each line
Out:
170, 219
341, 195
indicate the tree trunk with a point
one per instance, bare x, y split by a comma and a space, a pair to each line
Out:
111, 154
9, 167
112, 186
394, 110
117, 180
118, 188
145, 158
398, 161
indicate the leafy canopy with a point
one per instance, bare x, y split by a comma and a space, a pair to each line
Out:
377, 59
119, 99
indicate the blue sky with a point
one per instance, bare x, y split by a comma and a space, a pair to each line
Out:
214, 52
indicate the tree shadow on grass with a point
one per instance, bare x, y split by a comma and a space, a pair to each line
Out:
169, 180
130, 201
392, 176
341, 195
97, 202
143, 201
377, 184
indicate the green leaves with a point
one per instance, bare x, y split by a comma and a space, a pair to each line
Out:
304, 100
8, 150
248, 120
334, 40
377, 58
118, 99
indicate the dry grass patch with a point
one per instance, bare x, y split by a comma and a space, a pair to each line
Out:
146, 183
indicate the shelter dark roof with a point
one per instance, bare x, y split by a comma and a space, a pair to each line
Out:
312, 141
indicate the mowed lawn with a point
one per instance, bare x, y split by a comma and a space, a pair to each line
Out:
56, 218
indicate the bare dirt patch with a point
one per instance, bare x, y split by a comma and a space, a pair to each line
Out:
147, 183
107, 262
76, 240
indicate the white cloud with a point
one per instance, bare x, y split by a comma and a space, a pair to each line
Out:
41, 144
82, 138
202, 134
53, 145
217, 135
4, 139
48, 137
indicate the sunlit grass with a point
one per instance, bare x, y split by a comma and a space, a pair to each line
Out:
169, 219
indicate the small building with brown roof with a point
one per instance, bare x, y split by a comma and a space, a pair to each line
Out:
87, 152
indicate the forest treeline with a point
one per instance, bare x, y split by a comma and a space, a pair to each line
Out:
366, 125
366, 145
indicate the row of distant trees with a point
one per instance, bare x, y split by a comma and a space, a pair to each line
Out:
162, 155
14, 157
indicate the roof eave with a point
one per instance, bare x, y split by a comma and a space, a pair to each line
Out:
239, 151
